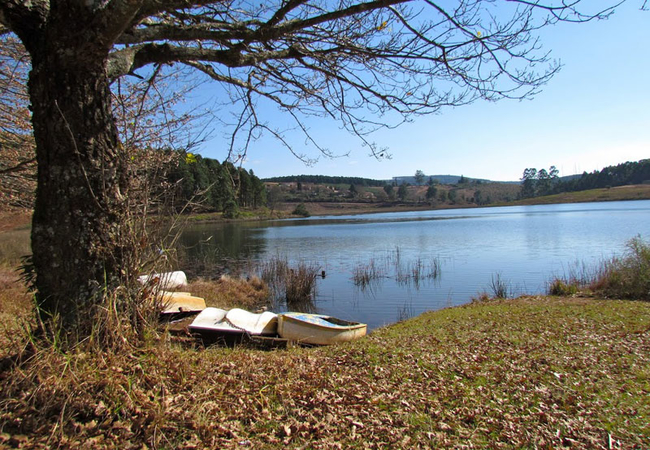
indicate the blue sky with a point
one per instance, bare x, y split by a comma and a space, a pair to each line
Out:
595, 112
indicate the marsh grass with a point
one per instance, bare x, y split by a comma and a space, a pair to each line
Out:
301, 285
625, 277
562, 288
296, 286
499, 287
392, 265
366, 274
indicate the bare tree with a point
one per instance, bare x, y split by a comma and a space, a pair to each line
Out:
17, 158
368, 64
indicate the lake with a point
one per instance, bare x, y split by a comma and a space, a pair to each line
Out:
454, 254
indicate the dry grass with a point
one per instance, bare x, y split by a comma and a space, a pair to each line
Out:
526, 373
230, 292
14, 245
15, 311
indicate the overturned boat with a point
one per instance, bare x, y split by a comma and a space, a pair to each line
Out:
165, 280
317, 329
176, 303
215, 324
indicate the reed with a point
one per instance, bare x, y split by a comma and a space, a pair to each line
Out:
562, 288
392, 265
301, 285
415, 272
627, 277
295, 285
499, 287
365, 274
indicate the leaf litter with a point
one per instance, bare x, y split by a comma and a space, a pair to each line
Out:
536, 372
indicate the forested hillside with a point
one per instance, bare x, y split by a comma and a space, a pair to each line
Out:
206, 183
539, 183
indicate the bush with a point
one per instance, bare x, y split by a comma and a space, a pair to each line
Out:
627, 277
561, 288
231, 210
301, 210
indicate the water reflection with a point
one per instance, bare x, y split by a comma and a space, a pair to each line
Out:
210, 249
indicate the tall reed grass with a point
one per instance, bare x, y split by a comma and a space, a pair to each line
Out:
294, 285
499, 287
624, 277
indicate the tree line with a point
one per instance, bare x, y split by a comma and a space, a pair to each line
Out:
325, 179
218, 186
538, 183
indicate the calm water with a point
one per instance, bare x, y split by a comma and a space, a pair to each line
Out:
525, 245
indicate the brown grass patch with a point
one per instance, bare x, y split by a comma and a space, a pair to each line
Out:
15, 310
14, 220
230, 292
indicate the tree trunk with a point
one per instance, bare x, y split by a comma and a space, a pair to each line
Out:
77, 236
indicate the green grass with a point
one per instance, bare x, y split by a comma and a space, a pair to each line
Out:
533, 372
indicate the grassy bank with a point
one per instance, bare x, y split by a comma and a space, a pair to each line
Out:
533, 372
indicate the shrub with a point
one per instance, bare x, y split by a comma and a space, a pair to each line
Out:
627, 277
561, 288
301, 210
231, 210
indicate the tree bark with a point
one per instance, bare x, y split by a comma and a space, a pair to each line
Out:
78, 245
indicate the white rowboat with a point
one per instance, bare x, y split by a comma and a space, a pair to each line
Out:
317, 329
181, 302
216, 321
165, 280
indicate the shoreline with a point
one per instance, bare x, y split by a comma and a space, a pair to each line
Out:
16, 219
320, 209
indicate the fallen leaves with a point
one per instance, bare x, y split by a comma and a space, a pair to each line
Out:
523, 373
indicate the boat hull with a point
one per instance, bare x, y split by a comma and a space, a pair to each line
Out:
181, 302
215, 324
316, 329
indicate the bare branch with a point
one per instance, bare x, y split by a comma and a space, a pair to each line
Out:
21, 166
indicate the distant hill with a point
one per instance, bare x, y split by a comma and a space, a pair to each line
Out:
442, 179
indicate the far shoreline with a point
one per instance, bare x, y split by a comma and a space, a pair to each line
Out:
322, 209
